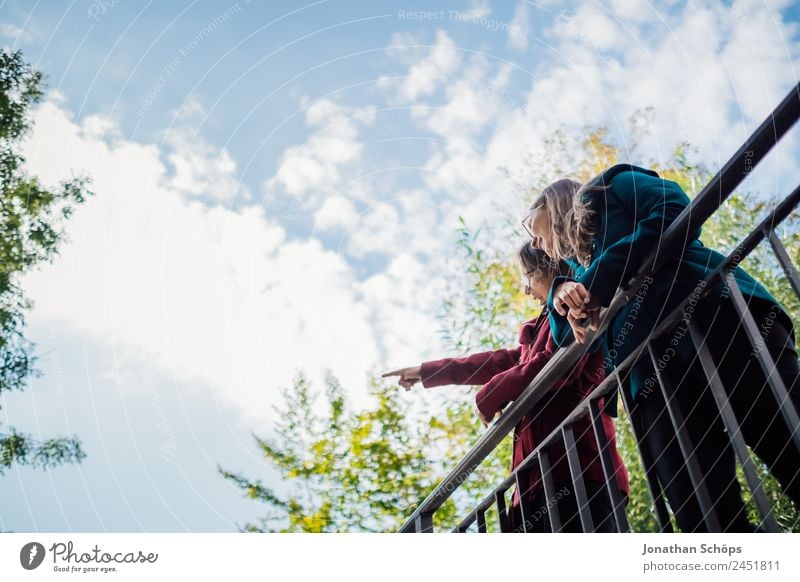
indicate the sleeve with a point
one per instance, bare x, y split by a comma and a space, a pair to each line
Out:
471, 370
507, 386
653, 204
560, 328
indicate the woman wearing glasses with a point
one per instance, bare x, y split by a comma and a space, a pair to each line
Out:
606, 230
504, 375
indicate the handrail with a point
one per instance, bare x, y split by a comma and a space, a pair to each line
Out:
721, 186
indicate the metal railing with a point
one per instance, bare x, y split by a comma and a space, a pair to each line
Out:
691, 218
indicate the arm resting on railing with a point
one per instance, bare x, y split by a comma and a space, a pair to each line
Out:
653, 204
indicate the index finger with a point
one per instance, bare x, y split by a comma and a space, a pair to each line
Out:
392, 373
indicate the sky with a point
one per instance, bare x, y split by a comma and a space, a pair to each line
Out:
278, 186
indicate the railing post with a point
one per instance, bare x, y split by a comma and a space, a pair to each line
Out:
766, 362
688, 450
576, 472
480, 517
654, 488
519, 477
608, 467
424, 523
785, 261
732, 426
549, 491
502, 515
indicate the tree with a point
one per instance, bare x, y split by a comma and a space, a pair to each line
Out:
354, 470
32, 219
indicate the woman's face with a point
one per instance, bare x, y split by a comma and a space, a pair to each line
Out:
537, 285
540, 227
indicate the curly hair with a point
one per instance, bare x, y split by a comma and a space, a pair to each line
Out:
572, 219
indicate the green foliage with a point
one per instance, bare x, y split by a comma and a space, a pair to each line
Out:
31, 229
346, 470
25, 450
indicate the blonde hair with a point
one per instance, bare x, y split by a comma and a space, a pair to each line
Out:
572, 220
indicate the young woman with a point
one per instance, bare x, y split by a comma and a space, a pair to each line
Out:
505, 374
606, 229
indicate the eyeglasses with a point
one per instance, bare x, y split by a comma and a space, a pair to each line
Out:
526, 278
525, 222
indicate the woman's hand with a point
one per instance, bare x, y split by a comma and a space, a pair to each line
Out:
572, 296
408, 376
575, 302
485, 421
581, 323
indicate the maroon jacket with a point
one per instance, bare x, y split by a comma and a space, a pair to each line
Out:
506, 373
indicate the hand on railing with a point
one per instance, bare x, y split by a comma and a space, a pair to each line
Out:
484, 420
575, 302
408, 376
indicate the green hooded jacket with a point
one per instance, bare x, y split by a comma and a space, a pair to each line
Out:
631, 216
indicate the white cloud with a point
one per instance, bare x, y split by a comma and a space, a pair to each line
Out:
315, 169
479, 9
632, 12
402, 302
201, 169
216, 297
697, 66
518, 28
430, 69
379, 230
10, 30
337, 212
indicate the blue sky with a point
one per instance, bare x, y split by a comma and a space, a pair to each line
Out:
278, 185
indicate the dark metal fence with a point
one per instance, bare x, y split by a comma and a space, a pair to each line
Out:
693, 217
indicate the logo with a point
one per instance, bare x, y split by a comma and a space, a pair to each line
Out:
31, 555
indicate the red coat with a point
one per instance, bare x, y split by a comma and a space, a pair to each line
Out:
506, 373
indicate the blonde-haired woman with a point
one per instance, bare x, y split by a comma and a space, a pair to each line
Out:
606, 229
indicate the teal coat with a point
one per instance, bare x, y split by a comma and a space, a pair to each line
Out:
631, 217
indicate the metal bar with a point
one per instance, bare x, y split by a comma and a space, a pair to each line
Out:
653, 487
766, 362
608, 467
549, 492
785, 261
502, 514
523, 513
576, 471
424, 523
688, 449
480, 516
466, 522
732, 426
